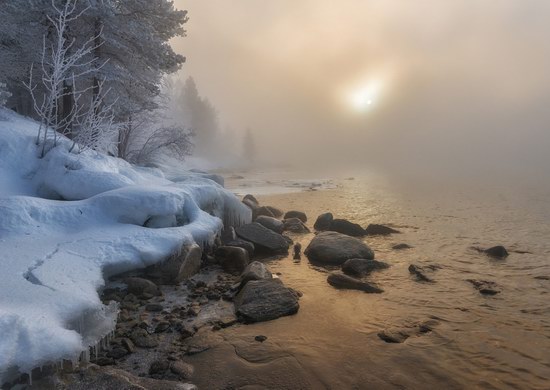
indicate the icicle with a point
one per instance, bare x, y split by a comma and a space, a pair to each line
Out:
29, 373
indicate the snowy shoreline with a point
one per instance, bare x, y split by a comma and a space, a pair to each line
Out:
69, 221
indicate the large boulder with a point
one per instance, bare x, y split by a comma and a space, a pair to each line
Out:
270, 223
263, 238
296, 214
265, 300
323, 222
255, 271
346, 227
295, 225
379, 230
335, 248
232, 259
362, 267
181, 265
347, 282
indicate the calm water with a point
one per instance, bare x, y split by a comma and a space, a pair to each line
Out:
485, 342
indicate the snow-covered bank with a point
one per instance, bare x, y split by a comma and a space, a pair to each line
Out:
66, 222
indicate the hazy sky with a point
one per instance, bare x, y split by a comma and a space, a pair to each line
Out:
461, 85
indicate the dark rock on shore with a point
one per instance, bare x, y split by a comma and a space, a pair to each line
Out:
263, 238
295, 225
346, 227
251, 201
181, 369
270, 223
247, 245
398, 247
335, 248
232, 259
485, 287
268, 211
255, 271
323, 222
181, 265
347, 282
141, 338
159, 367
379, 230
296, 214
140, 286
420, 272
264, 300
362, 267
228, 234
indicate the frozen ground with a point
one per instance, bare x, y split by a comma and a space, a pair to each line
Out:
69, 221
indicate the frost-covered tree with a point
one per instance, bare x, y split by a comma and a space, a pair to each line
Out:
22, 25
133, 35
62, 63
199, 115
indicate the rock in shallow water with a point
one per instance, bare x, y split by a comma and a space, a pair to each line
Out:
398, 247
323, 222
346, 227
263, 238
498, 251
420, 272
335, 248
485, 287
362, 267
347, 282
399, 335
379, 230
264, 300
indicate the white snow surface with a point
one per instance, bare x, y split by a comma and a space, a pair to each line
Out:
68, 221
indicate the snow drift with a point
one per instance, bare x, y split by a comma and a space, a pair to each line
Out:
67, 221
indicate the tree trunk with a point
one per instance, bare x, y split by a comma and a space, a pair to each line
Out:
67, 108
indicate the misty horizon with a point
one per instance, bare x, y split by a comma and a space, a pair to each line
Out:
461, 85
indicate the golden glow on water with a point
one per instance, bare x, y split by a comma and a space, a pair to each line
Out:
480, 342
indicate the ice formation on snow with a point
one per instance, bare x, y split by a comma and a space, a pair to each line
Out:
68, 221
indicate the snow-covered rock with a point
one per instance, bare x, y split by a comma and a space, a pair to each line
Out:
68, 221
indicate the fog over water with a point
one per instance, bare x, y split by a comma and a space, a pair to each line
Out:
454, 88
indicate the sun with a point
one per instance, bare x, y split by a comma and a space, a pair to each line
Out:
364, 97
